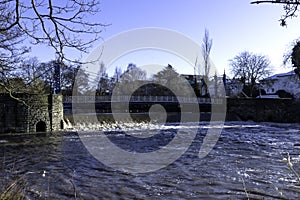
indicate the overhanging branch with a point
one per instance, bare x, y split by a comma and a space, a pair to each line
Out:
277, 2
290, 7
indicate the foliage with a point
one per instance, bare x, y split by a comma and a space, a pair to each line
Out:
102, 76
249, 68
132, 78
290, 8
169, 78
293, 57
75, 79
133, 73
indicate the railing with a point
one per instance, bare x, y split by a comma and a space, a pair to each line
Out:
141, 99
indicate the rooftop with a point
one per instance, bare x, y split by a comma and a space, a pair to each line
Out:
276, 76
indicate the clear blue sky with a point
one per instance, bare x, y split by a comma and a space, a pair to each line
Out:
234, 25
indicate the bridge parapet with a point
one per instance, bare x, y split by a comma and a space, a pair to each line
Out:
140, 99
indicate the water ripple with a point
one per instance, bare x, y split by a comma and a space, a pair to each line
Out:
249, 160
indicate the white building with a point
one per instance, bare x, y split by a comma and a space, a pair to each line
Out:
282, 83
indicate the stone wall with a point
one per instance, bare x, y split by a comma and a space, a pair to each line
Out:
12, 115
238, 109
272, 110
17, 117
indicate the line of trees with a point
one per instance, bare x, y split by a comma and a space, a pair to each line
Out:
35, 77
134, 81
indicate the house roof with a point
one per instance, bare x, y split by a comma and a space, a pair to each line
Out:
276, 76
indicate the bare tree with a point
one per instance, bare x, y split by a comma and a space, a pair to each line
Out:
62, 25
117, 74
59, 24
206, 48
38, 78
250, 68
32, 73
290, 8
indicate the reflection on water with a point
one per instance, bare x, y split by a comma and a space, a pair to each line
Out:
249, 160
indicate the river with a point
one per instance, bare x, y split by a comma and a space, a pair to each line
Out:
249, 161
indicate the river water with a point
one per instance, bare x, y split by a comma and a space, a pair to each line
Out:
249, 161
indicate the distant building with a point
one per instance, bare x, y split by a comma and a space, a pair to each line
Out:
283, 85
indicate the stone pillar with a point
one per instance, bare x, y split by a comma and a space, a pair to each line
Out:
57, 112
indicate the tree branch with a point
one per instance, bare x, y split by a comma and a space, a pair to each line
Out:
11, 94
17, 18
290, 7
276, 2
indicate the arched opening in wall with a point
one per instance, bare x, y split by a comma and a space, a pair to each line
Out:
41, 126
61, 124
